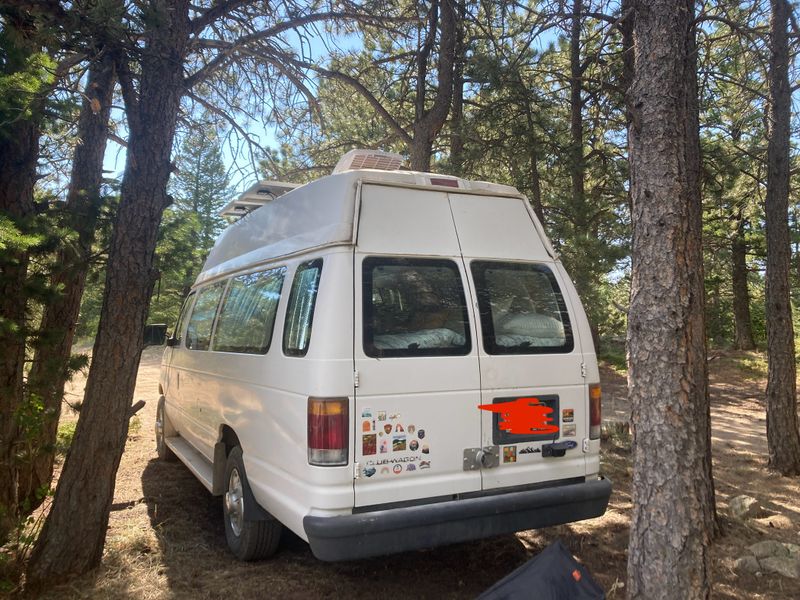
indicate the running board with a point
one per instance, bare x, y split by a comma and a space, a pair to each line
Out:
194, 461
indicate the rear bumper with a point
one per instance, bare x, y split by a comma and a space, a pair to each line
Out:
361, 535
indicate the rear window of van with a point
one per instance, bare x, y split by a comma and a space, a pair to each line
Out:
414, 307
522, 309
300, 312
247, 316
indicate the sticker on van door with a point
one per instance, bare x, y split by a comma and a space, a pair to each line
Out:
393, 445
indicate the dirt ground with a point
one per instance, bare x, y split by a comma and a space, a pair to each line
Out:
166, 538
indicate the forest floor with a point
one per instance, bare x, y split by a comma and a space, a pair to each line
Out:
166, 538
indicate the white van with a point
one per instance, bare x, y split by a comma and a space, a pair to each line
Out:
335, 368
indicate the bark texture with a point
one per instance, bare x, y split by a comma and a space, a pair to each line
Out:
672, 491
741, 294
19, 151
48, 373
429, 121
576, 162
457, 114
783, 439
86, 486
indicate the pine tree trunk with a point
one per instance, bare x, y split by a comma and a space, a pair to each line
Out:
696, 333
536, 184
86, 486
457, 117
576, 163
783, 438
583, 269
741, 295
672, 492
19, 152
49, 372
428, 122
18, 155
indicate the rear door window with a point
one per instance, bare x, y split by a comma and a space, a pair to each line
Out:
300, 312
414, 307
198, 333
247, 317
522, 309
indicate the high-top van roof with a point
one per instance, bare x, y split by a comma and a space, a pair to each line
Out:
319, 214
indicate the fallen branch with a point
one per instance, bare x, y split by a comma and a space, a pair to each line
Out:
136, 408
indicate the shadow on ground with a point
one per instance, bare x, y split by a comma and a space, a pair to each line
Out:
188, 524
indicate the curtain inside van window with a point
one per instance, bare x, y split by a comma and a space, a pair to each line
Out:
300, 313
247, 317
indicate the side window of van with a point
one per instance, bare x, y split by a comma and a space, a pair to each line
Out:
414, 307
182, 317
300, 312
198, 333
247, 316
522, 309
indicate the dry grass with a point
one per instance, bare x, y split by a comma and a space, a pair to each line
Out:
166, 540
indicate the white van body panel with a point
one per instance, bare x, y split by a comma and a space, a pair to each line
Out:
496, 227
438, 395
262, 399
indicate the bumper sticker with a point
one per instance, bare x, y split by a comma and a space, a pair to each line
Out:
509, 454
399, 443
568, 415
568, 431
369, 444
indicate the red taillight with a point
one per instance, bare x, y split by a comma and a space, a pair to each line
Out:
595, 413
328, 431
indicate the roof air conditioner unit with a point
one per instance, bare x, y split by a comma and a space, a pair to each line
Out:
369, 159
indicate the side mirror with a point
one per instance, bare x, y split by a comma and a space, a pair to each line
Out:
172, 341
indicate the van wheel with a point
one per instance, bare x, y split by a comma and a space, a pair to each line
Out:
248, 540
163, 428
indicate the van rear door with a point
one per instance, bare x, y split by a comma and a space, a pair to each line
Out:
415, 351
528, 345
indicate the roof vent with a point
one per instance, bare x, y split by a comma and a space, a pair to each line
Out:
256, 197
369, 159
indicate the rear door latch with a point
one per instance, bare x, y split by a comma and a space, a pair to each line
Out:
487, 457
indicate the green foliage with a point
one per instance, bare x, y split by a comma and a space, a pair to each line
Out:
24, 77
614, 355
66, 432
13, 239
191, 225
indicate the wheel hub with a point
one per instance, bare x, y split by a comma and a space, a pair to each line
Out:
234, 502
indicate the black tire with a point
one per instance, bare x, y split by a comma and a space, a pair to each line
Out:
163, 429
248, 540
